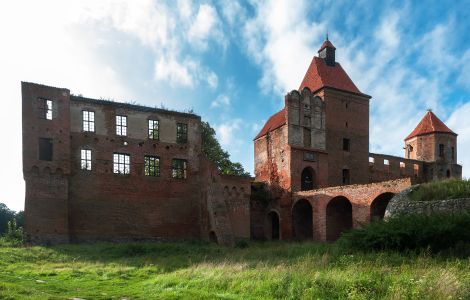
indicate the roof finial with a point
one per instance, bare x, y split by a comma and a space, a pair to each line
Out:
327, 34
429, 109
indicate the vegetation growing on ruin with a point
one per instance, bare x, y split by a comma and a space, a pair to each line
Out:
194, 270
443, 234
214, 152
441, 190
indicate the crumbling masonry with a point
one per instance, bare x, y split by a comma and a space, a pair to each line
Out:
102, 170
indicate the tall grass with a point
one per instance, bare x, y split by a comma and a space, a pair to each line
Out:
441, 190
195, 270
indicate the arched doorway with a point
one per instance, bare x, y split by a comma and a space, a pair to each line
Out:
378, 206
302, 220
307, 179
338, 217
272, 226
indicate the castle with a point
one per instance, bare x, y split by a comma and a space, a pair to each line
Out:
103, 170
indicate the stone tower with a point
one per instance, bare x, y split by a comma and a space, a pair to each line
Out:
434, 143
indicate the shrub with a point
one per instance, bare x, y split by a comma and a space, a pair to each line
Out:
14, 234
436, 233
441, 190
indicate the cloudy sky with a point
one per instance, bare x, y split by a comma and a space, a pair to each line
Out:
232, 62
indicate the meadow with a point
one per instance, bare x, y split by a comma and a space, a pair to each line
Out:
251, 270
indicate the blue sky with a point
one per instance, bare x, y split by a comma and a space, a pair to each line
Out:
232, 62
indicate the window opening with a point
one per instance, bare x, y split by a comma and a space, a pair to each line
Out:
121, 163
121, 125
346, 144
86, 159
178, 168
152, 166
154, 132
346, 179
45, 149
45, 107
181, 133
88, 121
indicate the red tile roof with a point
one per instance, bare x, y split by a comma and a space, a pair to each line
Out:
325, 44
274, 122
320, 75
430, 123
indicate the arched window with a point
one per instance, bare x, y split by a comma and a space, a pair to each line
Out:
307, 179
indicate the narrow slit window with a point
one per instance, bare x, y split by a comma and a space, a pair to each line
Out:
154, 129
181, 133
178, 168
416, 170
121, 125
86, 159
88, 121
45, 108
346, 178
121, 163
441, 150
346, 144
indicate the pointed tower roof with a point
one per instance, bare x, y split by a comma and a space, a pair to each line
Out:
430, 123
324, 71
326, 44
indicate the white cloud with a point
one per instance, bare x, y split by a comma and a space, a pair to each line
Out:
228, 134
205, 25
177, 74
281, 47
221, 101
212, 79
459, 122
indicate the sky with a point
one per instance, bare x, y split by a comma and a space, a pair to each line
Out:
232, 62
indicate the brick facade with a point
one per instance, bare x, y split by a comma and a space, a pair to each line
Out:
314, 175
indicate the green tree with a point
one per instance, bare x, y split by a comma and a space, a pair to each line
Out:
5, 215
215, 153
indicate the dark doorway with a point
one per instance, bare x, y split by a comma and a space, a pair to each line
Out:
448, 173
213, 237
307, 179
338, 217
378, 206
273, 226
302, 220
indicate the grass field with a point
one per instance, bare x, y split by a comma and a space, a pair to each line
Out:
187, 270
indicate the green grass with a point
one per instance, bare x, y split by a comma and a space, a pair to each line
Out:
441, 190
193, 270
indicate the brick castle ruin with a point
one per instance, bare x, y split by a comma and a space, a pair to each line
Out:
101, 170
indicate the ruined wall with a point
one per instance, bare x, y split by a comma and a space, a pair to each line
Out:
47, 181
65, 202
400, 204
347, 116
397, 167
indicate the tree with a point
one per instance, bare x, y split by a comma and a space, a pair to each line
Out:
215, 153
5, 215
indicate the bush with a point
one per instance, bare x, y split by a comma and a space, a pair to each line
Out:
14, 234
441, 190
435, 233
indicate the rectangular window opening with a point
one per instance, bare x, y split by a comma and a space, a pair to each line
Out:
181, 133
346, 179
86, 159
402, 165
45, 108
45, 149
154, 131
152, 166
121, 125
441, 150
346, 144
121, 163
416, 170
88, 121
371, 160
178, 168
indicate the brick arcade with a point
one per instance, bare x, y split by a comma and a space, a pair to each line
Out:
102, 170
